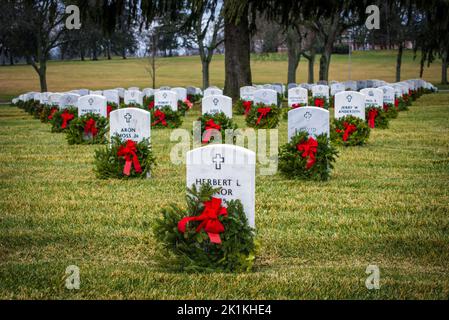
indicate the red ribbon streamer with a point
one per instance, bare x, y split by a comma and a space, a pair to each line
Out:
349, 129
385, 107
209, 220
309, 149
188, 103
52, 113
396, 102
263, 113
210, 125
91, 127
108, 110
160, 118
247, 105
151, 105
66, 117
319, 102
372, 114
128, 151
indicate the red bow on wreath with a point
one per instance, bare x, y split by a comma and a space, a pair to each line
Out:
263, 113
385, 107
52, 113
160, 118
396, 102
151, 105
309, 149
91, 127
66, 117
247, 105
296, 105
319, 102
109, 110
349, 129
188, 104
372, 114
128, 151
209, 220
210, 125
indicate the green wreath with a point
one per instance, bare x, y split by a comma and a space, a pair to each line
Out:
111, 106
381, 120
130, 105
194, 97
402, 104
349, 131
219, 119
147, 101
297, 161
58, 124
319, 101
258, 120
390, 110
47, 113
193, 249
165, 117
239, 106
110, 164
287, 109
184, 106
76, 132
37, 110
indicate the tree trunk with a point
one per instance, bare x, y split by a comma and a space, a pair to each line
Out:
237, 55
108, 50
325, 61
94, 52
444, 68
294, 56
124, 53
43, 75
311, 77
82, 55
11, 59
399, 63
205, 70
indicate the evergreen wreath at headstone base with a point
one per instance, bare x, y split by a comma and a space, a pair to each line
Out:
402, 104
218, 121
147, 101
47, 113
262, 116
130, 105
194, 97
206, 236
88, 129
376, 118
111, 161
307, 158
184, 106
60, 120
165, 117
242, 107
111, 107
319, 101
350, 131
37, 110
390, 110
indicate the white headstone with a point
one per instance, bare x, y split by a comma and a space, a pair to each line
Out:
337, 87
97, 92
166, 98
44, 98
388, 94
68, 99
83, 92
54, 99
349, 103
217, 103
314, 120
298, 95
266, 96
92, 104
351, 85
133, 89
181, 93
130, 124
112, 96
121, 92
230, 167
373, 97
320, 90
212, 92
148, 92
133, 97
247, 93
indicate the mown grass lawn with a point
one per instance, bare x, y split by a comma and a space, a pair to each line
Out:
387, 204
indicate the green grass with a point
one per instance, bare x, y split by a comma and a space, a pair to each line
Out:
386, 204
185, 71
